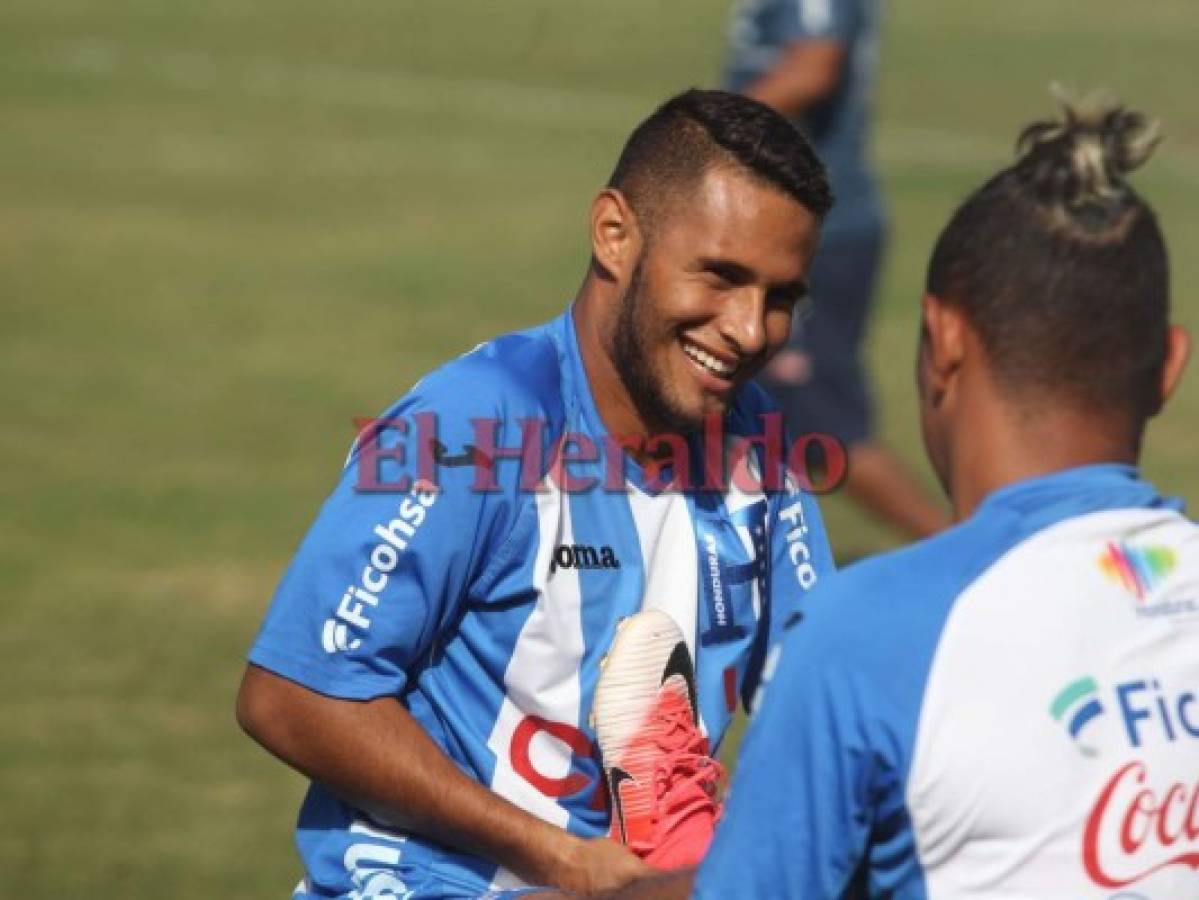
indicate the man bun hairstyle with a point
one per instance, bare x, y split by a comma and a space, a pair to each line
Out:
1080, 164
1061, 266
698, 130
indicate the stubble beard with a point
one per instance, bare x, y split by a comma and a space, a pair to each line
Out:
645, 387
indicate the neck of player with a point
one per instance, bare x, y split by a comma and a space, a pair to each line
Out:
1000, 443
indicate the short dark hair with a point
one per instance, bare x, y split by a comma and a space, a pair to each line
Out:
1061, 266
698, 130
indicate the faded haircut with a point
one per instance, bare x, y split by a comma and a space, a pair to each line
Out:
699, 130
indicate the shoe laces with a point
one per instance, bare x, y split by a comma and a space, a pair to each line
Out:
685, 775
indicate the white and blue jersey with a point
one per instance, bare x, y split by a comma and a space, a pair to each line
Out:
486, 604
1008, 710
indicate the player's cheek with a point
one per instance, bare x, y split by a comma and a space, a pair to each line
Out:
778, 329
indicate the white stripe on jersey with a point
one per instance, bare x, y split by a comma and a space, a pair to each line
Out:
542, 678
667, 539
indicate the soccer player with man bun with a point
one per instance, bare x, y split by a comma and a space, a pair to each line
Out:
1009, 709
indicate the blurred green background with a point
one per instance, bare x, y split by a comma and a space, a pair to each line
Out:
226, 229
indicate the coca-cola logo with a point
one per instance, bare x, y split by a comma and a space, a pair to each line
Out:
1137, 828
1139, 824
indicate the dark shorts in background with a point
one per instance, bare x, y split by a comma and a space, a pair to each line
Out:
834, 397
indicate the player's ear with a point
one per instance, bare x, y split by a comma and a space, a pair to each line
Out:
943, 340
615, 236
1178, 352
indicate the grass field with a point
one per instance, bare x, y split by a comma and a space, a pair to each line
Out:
228, 228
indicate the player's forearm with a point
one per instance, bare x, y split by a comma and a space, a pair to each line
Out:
379, 758
412, 784
672, 886
805, 73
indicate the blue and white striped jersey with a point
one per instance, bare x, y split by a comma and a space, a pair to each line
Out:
487, 603
1008, 711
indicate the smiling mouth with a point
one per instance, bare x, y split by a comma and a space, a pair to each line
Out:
716, 367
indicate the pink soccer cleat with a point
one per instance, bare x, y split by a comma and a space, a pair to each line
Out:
662, 780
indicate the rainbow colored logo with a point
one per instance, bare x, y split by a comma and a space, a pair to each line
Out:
1076, 705
1136, 569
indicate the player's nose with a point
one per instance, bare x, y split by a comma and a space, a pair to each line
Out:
743, 320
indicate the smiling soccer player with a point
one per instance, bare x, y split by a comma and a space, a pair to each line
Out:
430, 657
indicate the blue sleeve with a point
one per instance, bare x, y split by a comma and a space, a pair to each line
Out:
799, 20
810, 773
821, 781
390, 558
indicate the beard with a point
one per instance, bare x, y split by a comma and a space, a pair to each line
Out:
646, 387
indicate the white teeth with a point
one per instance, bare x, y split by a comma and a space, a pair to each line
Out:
708, 361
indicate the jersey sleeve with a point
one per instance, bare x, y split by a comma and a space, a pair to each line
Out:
392, 554
810, 774
822, 779
800, 20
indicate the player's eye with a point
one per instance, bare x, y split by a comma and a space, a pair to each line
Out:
725, 275
792, 296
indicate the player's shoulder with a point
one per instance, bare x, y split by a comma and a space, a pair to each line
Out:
868, 609
504, 395
946, 561
867, 635
513, 376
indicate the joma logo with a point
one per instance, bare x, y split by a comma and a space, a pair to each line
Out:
583, 556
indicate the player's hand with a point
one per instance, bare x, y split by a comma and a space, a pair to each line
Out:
602, 864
